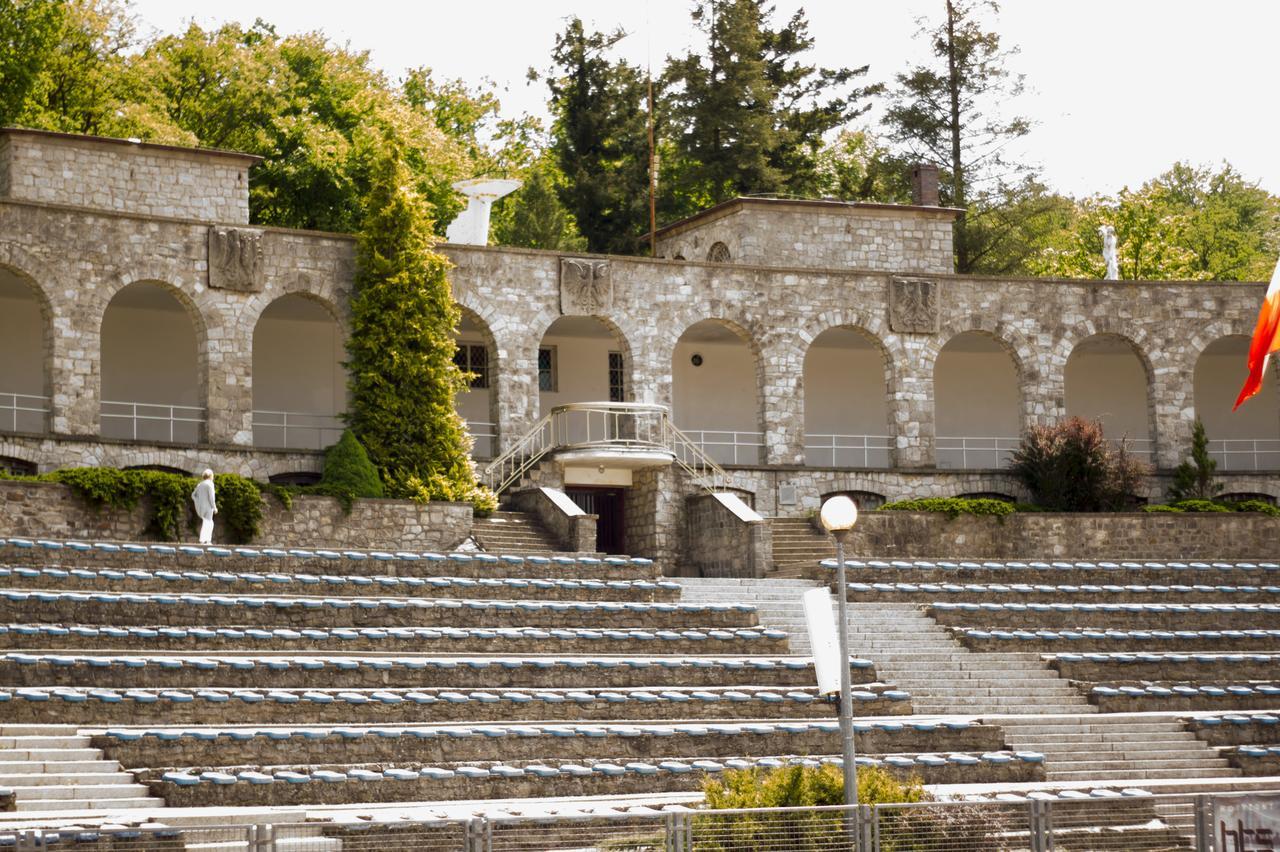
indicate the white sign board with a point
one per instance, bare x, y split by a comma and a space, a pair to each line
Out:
824, 639
1247, 823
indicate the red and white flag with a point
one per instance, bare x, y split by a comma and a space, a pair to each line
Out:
1266, 339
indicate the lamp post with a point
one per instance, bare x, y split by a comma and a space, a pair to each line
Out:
839, 514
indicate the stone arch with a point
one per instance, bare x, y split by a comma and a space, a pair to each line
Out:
297, 380
988, 452
1101, 332
1244, 438
481, 405
620, 339
156, 459
868, 330
300, 286
26, 354
276, 467
199, 398
723, 413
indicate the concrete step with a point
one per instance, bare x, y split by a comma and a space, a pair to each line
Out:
78, 791
36, 731
1061, 765
1137, 774
51, 754
129, 803
27, 767
66, 779
34, 742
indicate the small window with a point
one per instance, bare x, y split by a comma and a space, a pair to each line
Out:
17, 467
718, 253
473, 358
295, 477
547, 369
617, 390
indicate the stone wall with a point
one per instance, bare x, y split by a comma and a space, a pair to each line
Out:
725, 538
125, 177
823, 234
52, 510
573, 528
1044, 536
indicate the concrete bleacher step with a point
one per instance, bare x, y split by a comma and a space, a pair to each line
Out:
777, 601
513, 532
53, 768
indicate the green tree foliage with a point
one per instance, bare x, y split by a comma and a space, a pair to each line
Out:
348, 470
402, 376
946, 112
746, 113
534, 216
1193, 479
804, 786
1071, 467
1189, 223
599, 139
857, 166
29, 31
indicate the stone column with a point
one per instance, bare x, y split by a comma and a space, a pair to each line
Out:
516, 386
75, 377
1175, 412
782, 402
912, 424
227, 368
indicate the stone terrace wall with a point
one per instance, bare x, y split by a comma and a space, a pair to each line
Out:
928, 535
719, 543
51, 510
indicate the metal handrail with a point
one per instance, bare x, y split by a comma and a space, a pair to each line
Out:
581, 425
1225, 451
750, 442
171, 418
855, 445
330, 426
998, 447
13, 408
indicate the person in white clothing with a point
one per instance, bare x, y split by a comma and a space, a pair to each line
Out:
206, 506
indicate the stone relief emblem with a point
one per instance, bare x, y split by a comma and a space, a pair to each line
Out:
586, 286
913, 305
235, 259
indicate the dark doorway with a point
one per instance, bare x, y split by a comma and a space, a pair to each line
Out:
607, 503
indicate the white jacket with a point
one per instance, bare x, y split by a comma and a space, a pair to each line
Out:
204, 500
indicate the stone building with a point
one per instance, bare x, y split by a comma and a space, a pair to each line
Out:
808, 347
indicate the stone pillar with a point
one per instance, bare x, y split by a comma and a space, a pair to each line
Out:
782, 402
516, 386
227, 368
912, 424
75, 376
1175, 412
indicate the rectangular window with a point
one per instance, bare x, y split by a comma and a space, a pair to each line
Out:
473, 358
617, 390
547, 369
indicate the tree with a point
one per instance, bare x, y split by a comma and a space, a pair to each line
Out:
1189, 223
599, 139
1193, 479
1070, 467
29, 31
946, 113
747, 115
534, 216
856, 166
401, 372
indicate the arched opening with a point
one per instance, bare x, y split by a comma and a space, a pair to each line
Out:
24, 356
582, 359
846, 401
153, 385
18, 467
159, 468
478, 404
1106, 380
976, 403
299, 383
295, 477
715, 392
866, 501
1249, 437
719, 253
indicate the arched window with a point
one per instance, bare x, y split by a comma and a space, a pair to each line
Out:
718, 253
24, 392
1249, 437
478, 403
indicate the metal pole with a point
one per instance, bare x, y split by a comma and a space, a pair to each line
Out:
846, 695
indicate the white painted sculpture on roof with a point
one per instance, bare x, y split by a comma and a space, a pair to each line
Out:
1109, 252
471, 228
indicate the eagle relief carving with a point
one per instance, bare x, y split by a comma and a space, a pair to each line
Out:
235, 259
913, 305
586, 287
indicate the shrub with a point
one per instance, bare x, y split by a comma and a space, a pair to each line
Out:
1200, 506
953, 507
1193, 479
1255, 506
1070, 467
239, 506
1217, 506
347, 467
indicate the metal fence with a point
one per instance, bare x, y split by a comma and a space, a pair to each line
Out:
1132, 823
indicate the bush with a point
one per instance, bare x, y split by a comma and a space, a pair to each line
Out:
1217, 506
1193, 479
806, 786
1070, 467
347, 468
239, 506
1255, 506
953, 507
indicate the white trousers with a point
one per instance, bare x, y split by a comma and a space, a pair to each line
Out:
206, 531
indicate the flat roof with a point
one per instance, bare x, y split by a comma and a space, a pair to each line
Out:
726, 207
251, 159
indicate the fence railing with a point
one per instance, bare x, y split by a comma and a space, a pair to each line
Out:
728, 447
485, 439
1140, 448
1246, 453
847, 450
975, 452
1115, 823
22, 412
142, 421
295, 430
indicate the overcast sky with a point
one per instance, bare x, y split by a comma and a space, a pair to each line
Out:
1119, 89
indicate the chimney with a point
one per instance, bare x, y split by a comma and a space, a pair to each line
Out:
924, 185
472, 225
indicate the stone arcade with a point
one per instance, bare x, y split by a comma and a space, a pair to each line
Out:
810, 347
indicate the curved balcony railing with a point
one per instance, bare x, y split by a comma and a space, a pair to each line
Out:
622, 426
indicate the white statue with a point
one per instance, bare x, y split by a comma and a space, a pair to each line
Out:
1109, 252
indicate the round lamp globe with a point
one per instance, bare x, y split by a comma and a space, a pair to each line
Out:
839, 514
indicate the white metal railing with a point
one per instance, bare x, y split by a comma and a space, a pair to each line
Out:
296, 430
23, 412
585, 425
728, 447
484, 438
1141, 448
144, 421
847, 450
1246, 453
974, 452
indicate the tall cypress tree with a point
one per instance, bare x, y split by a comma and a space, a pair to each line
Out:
402, 376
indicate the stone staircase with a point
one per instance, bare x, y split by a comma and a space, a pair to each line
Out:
52, 768
514, 532
777, 601
943, 676
1115, 747
796, 544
